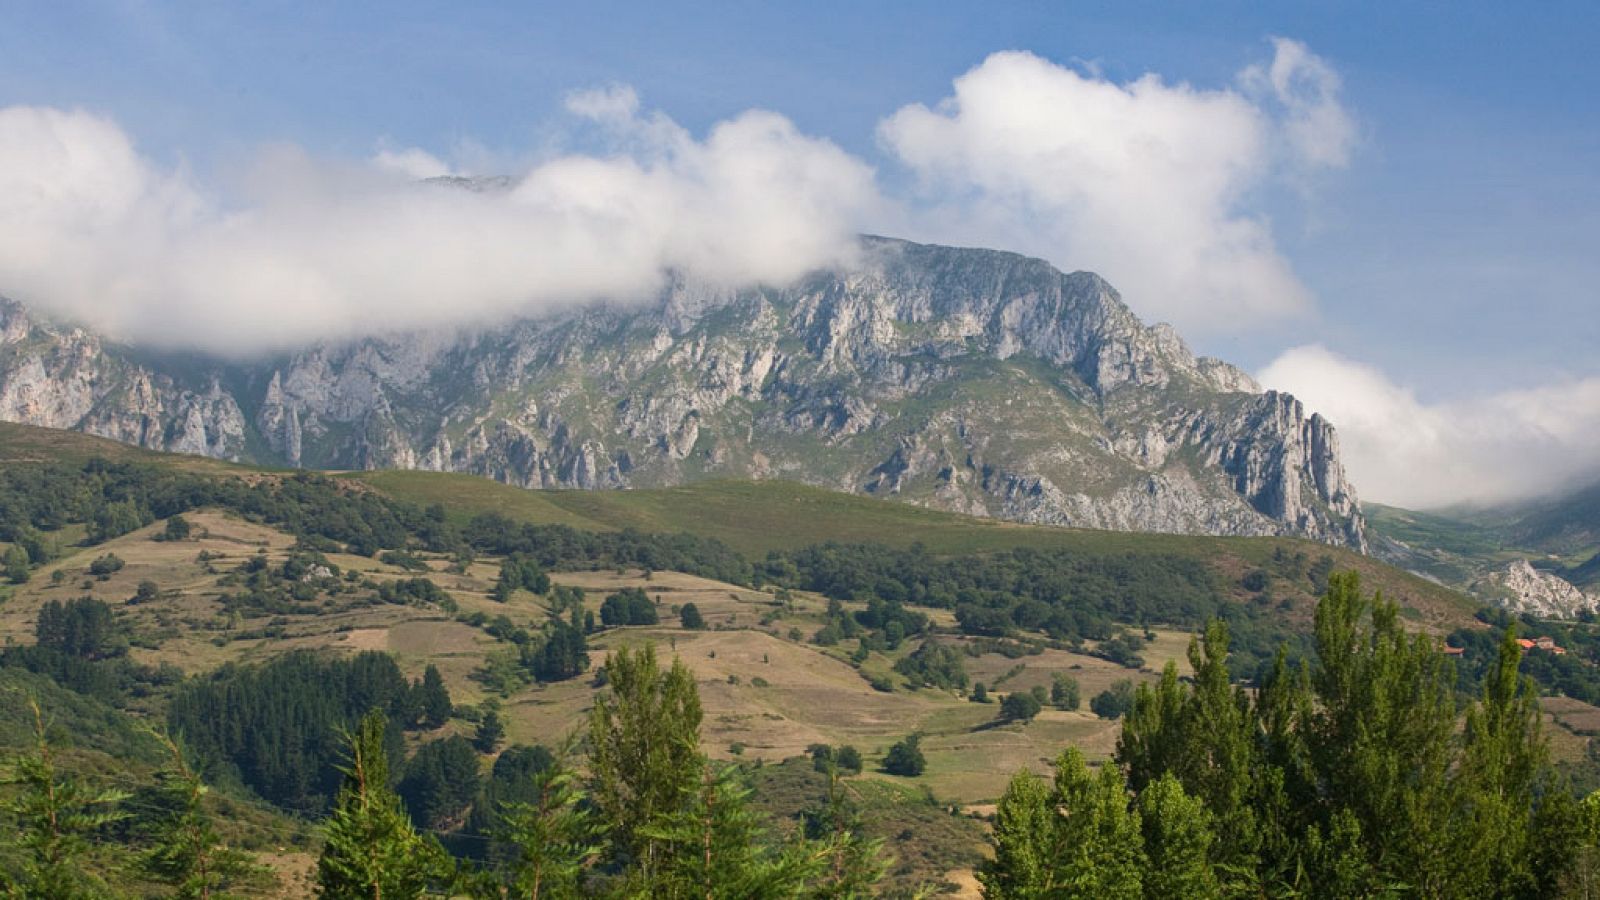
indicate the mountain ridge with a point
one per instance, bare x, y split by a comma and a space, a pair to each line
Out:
972, 380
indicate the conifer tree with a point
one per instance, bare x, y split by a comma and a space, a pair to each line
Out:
551, 840
54, 814
852, 865
716, 846
645, 758
489, 733
435, 698
187, 852
372, 852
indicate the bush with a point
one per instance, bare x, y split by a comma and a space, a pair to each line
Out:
178, 529
905, 758
629, 606
1019, 706
104, 567
848, 759
1112, 702
1064, 691
691, 618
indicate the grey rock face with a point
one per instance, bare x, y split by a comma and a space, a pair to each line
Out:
970, 380
1520, 588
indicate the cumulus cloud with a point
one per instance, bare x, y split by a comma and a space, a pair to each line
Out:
1319, 131
92, 230
1146, 182
1486, 449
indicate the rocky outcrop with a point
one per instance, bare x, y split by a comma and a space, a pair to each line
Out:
1520, 588
971, 380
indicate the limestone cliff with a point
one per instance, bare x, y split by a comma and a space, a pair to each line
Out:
971, 380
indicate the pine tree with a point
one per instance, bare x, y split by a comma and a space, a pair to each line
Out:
645, 758
54, 815
435, 698
187, 852
852, 865
489, 733
372, 852
715, 846
550, 840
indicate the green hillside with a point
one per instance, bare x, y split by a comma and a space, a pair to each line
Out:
755, 517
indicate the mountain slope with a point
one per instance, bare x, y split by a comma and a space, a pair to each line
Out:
967, 380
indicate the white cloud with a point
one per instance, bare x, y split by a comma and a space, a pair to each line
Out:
1145, 182
91, 230
412, 163
1319, 131
1486, 449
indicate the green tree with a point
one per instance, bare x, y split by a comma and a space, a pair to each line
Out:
690, 615
55, 814
549, 840
1501, 766
848, 759
177, 529
440, 782
980, 693
82, 627
1383, 737
1113, 701
716, 846
16, 565
1100, 847
187, 853
1025, 832
852, 864
1019, 706
905, 757
1064, 691
1177, 841
433, 699
489, 733
645, 757
372, 852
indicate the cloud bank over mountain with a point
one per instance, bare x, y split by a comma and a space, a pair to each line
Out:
1486, 449
1146, 182
314, 249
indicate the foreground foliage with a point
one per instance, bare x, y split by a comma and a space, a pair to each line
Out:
1360, 776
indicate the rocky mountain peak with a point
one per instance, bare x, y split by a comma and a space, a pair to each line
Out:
976, 380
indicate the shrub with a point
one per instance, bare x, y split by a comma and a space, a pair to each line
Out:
1112, 702
905, 758
1019, 706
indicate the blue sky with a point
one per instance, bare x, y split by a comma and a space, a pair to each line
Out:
1452, 251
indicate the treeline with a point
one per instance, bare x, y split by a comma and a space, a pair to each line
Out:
647, 815
277, 728
1065, 594
1351, 778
